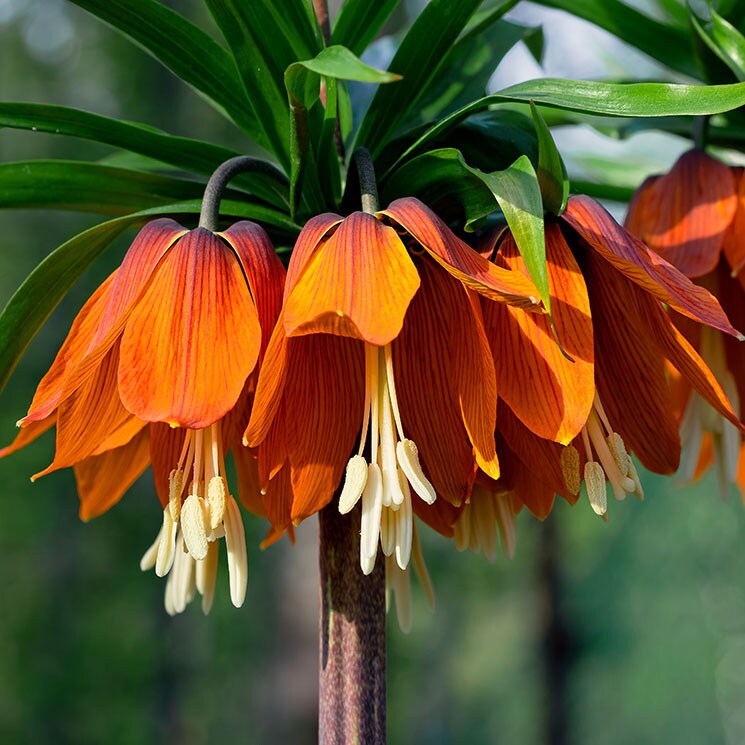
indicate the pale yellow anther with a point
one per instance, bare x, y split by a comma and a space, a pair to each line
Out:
617, 448
194, 526
354, 484
207, 577
235, 542
596, 491
150, 556
175, 487
388, 531
569, 460
462, 529
372, 506
166, 545
216, 493
408, 459
634, 475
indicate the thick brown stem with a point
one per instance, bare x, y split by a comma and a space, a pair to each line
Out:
352, 636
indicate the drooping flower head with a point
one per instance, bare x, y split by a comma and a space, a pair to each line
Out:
694, 216
158, 369
380, 350
575, 416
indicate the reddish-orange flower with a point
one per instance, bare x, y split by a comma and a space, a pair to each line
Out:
381, 349
695, 217
158, 369
609, 293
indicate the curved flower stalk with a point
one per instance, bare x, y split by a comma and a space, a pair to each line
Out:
694, 216
380, 353
575, 417
158, 369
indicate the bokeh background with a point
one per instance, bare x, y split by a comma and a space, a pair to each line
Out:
630, 632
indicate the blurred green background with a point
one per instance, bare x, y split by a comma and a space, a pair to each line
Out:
634, 630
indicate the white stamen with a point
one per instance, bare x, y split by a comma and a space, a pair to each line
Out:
595, 482
235, 542
166, 545
207, 577
404, 522
506, 522
193, 526
408, 459
372, 505
354, 483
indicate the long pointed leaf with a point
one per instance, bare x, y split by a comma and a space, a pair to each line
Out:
185, 50
359, 21
266, 38
417, 60
180, 152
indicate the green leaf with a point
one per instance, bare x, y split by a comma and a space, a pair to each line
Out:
667, 44
466, 70
519, 195
184, 49
417, 60
44, 288
723, 39
179, 152
442, 177
303, 83
552, 175
266, 37
359, 21
88, 187
590, 97
340, 63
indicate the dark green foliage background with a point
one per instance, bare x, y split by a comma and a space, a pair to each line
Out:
654, 599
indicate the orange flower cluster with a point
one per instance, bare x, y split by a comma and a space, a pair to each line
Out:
395, 366
694, 216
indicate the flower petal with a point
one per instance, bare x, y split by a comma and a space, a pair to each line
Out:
359, 284
103, 479
249, 486
634, 260
440, 515
264, 273
104, 324
28, 434
684, 214
459, 259
551, 394
526, 484
734, 239
87, 418
193, 339
49, 393
313, 234
423, 371
323, 404
629, 367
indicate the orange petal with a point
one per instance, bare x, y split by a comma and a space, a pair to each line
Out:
629, 367
193, 339
278, 500
359, 284
551, 394
541, 456
263, 270
28, 434
87, 418
49, 392
684, 214
269, 387
128, 284
734, 239
249, 487
103, 479
323, 400
474, 381
459, 259
313, 234
121, 435
731, 294
634, 260
741, 472
423, 371
440, 515
166, 444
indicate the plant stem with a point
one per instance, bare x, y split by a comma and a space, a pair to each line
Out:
209, 217
366, 175
352, 705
